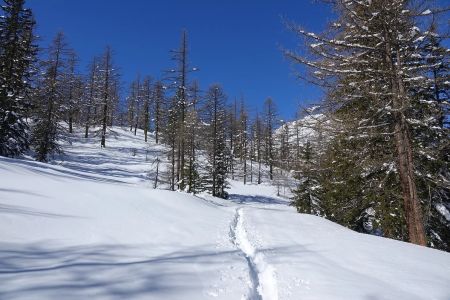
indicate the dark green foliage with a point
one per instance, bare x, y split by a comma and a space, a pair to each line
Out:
17, 55
429, 125
217, 151
45, 137
308, 192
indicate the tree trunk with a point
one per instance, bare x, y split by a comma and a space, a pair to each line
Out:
157, 173
172, 182
183, 109
105, 95
70, 123
105, 110
245, 168
259, 172
413, 211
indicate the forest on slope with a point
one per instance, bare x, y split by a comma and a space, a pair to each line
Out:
376, 156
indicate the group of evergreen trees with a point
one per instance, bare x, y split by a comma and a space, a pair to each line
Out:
385, 73
17, 57
207, 139
47, 91
43, 94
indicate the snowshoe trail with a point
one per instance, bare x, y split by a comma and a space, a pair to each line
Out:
263, 285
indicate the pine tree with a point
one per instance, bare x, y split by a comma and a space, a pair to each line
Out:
243, 139
115, 109
215, 111
72, 94
170, 139
179, 77
258, 129
131, 105
137, 104
91, 97
193, 133
108, 76
284, 156
158, 107
270, 122
429, 127
232, 136
307, 194
49, 109
17, 55
147, 99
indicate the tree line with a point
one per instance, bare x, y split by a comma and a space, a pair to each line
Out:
44, 96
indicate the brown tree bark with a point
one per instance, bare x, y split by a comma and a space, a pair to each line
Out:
412, 209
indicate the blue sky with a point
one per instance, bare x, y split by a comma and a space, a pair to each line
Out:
235, 43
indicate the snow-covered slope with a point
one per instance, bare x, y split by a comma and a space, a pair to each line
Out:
304, 129
91, 227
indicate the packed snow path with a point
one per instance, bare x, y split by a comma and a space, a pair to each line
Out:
263, 283
90, 226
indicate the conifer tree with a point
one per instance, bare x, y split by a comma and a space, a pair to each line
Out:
147, 99
180, 82
158, 107
258, 129
91, 95
114, 110
307, 194
49, 98
232, 135
108, 76
243, 139
270, 122
70, 84
193, 133
137, 104
131, 104
215, 117
170, 139
17, 55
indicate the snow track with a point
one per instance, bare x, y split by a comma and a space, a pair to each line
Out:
263, 285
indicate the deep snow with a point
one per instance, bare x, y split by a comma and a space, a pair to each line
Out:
90, 226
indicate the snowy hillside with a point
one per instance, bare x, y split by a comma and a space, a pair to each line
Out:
304, 129
90, 226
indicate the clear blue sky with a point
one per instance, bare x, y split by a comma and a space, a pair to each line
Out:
235, 43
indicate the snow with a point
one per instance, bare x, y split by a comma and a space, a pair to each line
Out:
90, 226
443, 211
317, 259
263, 280
306, 129
81, 238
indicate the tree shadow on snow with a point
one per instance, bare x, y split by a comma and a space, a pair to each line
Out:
22, 210
247, 199
106, 271
48, 169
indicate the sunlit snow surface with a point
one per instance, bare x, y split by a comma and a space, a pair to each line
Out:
90, 226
